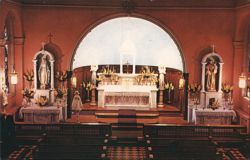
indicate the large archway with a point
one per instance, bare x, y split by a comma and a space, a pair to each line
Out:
152, 45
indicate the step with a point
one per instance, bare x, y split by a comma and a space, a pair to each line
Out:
116, 115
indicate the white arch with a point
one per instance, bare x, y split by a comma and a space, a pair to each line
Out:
154, 46
52, 60
51, 57
204, 59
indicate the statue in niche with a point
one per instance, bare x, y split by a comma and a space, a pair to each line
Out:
211, 71
44, 72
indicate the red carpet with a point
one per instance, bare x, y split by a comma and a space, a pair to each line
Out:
126, 116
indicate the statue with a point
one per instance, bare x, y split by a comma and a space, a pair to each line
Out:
211, 71
77, 104
43, 72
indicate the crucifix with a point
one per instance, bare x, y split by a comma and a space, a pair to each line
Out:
213, 48
43, 45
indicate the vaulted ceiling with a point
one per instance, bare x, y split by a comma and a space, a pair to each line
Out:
139, 3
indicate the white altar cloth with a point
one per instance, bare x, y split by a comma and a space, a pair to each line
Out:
127, 95
209, 116
44, 114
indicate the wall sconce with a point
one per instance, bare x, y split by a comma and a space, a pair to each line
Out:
74, 81
181, 83
13, 77
242, 81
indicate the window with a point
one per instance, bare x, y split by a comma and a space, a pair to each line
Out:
150, 44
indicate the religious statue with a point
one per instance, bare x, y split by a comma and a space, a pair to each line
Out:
44, 72
77, 104
211, 71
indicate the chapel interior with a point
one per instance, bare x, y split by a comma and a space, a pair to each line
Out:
125, 79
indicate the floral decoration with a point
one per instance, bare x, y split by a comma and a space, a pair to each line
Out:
42, 101
61, 76
29, 76
226, 88
29, 93
59, 93
169, 86
194, 88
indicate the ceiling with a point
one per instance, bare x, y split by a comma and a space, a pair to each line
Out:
139, 3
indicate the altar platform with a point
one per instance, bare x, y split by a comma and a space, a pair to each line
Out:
166, 114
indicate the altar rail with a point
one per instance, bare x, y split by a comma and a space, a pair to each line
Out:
195, 131
83, 129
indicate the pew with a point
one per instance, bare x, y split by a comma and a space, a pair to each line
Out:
171, 141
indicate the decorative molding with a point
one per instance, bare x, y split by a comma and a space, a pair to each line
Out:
139, 3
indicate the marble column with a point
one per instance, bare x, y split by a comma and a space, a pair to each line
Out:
93, 68
93, 99
203, 76
162, 71
220, 76
160, 103
35, 74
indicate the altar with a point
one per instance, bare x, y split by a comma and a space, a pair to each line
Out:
127, 96
46, 114
210, 116
128, 90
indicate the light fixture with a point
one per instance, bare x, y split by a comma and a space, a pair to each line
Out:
181, 82
13, 76
242, 81
74, 81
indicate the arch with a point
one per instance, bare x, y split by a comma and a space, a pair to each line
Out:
143, 17
204, 59
51, 57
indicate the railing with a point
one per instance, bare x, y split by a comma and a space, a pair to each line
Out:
84, 129
179, 131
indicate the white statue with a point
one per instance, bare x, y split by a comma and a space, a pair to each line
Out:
211, 72
77, 104
43, 73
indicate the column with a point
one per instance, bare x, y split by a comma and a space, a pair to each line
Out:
35, 74
220, 76
162, 71
93, 68
185, 109
203, 76
52, 74
93, 99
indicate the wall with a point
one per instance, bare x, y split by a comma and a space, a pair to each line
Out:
12, 13
194, 30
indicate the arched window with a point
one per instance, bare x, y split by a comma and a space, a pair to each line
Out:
151, 45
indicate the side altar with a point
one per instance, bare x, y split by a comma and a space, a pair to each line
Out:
128, 90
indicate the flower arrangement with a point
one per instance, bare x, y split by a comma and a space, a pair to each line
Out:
107, 72
29, 93
226, 88
61, 76
169, 86
59, 93
194, 88
88, 86
42, 100
29, 76
146, 72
